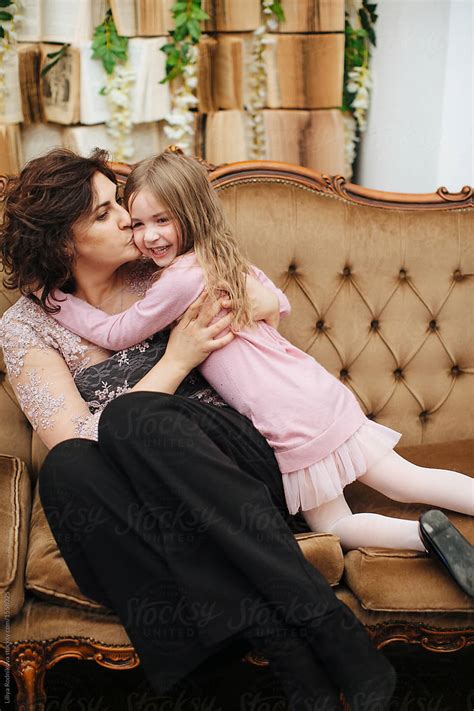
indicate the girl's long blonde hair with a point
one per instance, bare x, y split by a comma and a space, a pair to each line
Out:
182, 185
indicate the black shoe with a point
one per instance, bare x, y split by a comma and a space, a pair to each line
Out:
356, 666
449, 545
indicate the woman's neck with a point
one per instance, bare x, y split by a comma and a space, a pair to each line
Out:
99, 288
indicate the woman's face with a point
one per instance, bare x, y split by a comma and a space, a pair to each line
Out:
104, 239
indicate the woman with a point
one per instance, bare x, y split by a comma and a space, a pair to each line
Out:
190, 543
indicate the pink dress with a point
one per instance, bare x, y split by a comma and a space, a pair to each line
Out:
321, 437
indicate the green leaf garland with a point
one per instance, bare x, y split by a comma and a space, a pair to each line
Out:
108, 46
187, 16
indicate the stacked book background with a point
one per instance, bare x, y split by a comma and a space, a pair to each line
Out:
303, 81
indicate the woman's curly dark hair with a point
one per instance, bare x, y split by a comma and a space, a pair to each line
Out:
40, 207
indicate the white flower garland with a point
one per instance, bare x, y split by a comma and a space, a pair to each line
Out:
8, 46
258, 82
180, 120
118, 91
360, 83
350, 140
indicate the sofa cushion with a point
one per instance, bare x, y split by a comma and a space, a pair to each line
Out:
390, 579
48, 576
15, 507
323, 550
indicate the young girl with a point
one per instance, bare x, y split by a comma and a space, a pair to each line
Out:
321, 438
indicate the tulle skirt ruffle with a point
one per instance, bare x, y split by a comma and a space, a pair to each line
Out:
324, 480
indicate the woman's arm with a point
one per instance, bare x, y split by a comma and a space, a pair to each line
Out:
51, 401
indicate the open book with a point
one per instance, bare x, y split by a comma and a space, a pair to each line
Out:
10, 108
232, 15
60, 87
303, 71
311, 138
147, 138
39, 138
71, 89
11, 154
147, 18
29, 59
313, 16
62, 21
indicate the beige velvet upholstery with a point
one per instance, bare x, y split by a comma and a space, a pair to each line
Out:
382, 297
403, 341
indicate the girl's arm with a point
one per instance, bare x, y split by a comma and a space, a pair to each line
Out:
164, 302
284, 304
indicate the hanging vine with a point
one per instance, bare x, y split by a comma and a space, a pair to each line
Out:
272, 15
360, 35
112, 50
181, 71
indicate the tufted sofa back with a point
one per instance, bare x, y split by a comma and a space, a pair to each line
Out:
381, 286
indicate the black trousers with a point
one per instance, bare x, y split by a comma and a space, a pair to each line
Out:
176, 520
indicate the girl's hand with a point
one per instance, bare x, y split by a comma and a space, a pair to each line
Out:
193, 338
263, 302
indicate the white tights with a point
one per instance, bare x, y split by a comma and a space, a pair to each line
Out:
400, 480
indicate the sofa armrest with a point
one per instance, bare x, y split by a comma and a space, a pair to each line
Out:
15, 512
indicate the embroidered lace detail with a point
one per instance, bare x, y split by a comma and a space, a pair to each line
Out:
25, 325
37, 402
141, 275
123, 356
106, 394
209, 396
87, 427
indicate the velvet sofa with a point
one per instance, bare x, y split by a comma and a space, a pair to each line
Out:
382, 292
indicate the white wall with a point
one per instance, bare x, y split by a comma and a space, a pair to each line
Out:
419, 129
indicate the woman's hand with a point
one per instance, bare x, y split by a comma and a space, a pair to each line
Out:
264, 303
193, 338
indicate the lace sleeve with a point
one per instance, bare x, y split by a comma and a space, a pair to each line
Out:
44, 385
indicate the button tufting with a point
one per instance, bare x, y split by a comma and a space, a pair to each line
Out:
424, 415
433, 324
374, 324
292, 268
370, 415
455, 370
458, 276
2, 376
346, 271
402, 273
398, 372
320, 325
343, 372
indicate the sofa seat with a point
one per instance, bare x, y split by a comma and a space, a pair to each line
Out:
386, 579
43, 620
435, 631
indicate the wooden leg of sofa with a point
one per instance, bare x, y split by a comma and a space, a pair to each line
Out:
28, 670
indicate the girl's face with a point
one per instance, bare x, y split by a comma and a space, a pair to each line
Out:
154, 230
104, 239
